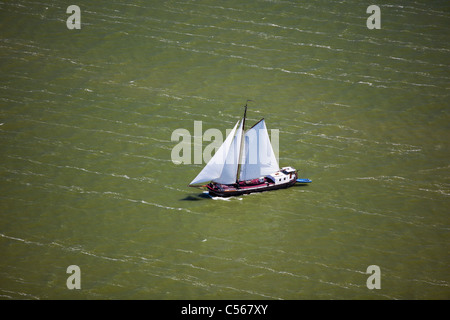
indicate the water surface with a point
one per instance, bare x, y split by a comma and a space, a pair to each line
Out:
87, 179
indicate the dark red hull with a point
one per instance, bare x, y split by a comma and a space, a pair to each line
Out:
229, 190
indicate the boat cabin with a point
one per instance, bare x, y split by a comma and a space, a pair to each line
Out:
288, 170
284, 175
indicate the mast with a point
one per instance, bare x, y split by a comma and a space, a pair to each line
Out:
242, 144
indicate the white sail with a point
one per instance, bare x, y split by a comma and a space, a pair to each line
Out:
214, 168
230, 167
258, 158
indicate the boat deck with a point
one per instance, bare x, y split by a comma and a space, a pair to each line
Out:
249, 186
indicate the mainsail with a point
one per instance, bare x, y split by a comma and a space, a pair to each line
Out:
256, 156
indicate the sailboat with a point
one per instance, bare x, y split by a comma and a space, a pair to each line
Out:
245, 163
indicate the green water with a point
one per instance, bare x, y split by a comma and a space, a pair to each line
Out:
87, 178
